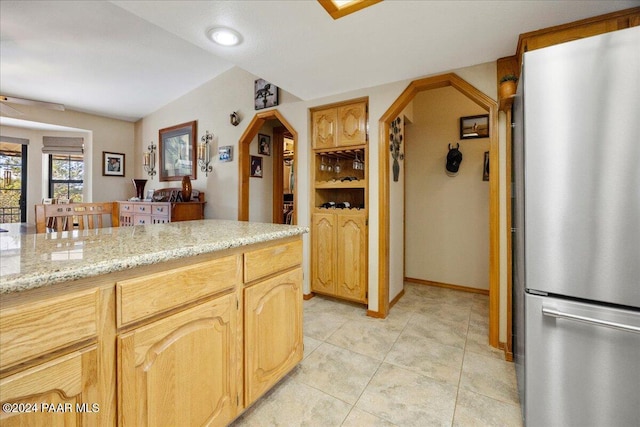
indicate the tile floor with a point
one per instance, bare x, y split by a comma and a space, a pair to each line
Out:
427, 364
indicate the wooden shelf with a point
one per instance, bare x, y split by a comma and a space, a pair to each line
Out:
327, 185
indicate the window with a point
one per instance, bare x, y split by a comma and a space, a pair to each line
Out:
66, 174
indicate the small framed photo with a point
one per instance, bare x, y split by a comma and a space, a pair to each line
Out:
485, 168
112, 164
474, 127
256, 167
264, 144
225, 154
265, 94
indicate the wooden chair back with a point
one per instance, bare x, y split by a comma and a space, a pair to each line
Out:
65, 217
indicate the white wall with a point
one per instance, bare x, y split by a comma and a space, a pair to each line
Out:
100, 133
447, 218
261, 189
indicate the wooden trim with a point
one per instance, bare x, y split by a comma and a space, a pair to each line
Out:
447, 285
375, 314
339, 12
392, 112
277, 146
397, 298
244, 157
308, 296
508, 150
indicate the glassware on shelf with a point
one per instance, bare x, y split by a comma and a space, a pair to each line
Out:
357, 163
329, 166
337, 168
323, 165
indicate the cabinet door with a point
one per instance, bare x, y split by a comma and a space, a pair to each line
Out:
323, 253
272, 331
352, 256
352, 124
181, 370
67, 387
325, 128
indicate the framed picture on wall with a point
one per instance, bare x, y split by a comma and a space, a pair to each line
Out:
177, 152
225, 154
485, 168
256, 167
112, 164
265, 94
264, 144
474, 127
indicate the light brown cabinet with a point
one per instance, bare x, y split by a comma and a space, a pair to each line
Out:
343, 125
181, 370
273, 338
339, 254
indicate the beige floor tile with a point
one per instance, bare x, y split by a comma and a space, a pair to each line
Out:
310, 344
474, 409
490, 377
371, 337
320, 325
358, 418
406, 398
446, 330
427, 357
292, 403
478, 341
338, 372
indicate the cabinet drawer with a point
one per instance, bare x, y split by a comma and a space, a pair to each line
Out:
160, 210
143, 208
148, 295
126, 207
141, 219
263, 262
41, 327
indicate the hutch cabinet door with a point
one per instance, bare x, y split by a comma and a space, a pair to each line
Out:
352, 256
352, 124
181, 370
323, 253
325, 129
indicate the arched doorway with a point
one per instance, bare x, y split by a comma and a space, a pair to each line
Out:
244, 159
494, 204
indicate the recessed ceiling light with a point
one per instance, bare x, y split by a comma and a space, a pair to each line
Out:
224, 36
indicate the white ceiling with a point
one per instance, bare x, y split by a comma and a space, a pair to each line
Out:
126, 59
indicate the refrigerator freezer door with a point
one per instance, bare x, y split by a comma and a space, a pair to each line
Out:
582, 168
581, 372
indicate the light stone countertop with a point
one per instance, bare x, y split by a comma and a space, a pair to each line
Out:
33, 260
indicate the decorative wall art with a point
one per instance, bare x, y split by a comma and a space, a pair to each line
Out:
485, 168
264, 144
395, 138
474, 127
256, 167
265, 94
225, 154
178, 151
112, 164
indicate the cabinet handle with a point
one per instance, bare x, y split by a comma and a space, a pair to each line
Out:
551, 312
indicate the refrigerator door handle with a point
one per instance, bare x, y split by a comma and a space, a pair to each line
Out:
551, 312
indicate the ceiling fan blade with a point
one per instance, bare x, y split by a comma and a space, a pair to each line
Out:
42, 104
9, 111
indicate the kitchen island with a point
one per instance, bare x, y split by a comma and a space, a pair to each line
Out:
168, 324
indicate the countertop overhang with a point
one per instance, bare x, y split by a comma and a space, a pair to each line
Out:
34, 260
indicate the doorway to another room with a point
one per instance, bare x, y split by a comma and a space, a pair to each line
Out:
13, 191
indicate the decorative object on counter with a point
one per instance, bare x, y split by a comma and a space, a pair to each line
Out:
264, 144
139, 184
485, 168
112, 164
186, 188
507, 86
225, 154
395, 137
256, 167
149, 159
204, 153
474, 126
234, 118
265, 94
177, 145
454, 158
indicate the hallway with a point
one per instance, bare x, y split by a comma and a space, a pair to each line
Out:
426, 364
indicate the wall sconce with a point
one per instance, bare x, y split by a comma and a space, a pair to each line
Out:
234, 118
149, 160
204, 153
6, 177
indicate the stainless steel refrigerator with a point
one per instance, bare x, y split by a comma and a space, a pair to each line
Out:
576, 236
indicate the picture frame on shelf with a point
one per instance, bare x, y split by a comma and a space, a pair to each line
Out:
265, 94
177, 147
264, 144
474, 127
112, 164
256, 167
225, 153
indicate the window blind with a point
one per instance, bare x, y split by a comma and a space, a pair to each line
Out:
62, 145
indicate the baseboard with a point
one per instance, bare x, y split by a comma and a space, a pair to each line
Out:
447, 285
396, 299
375, 314
308, 296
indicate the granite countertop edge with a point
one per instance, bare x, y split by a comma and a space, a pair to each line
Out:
47, 278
